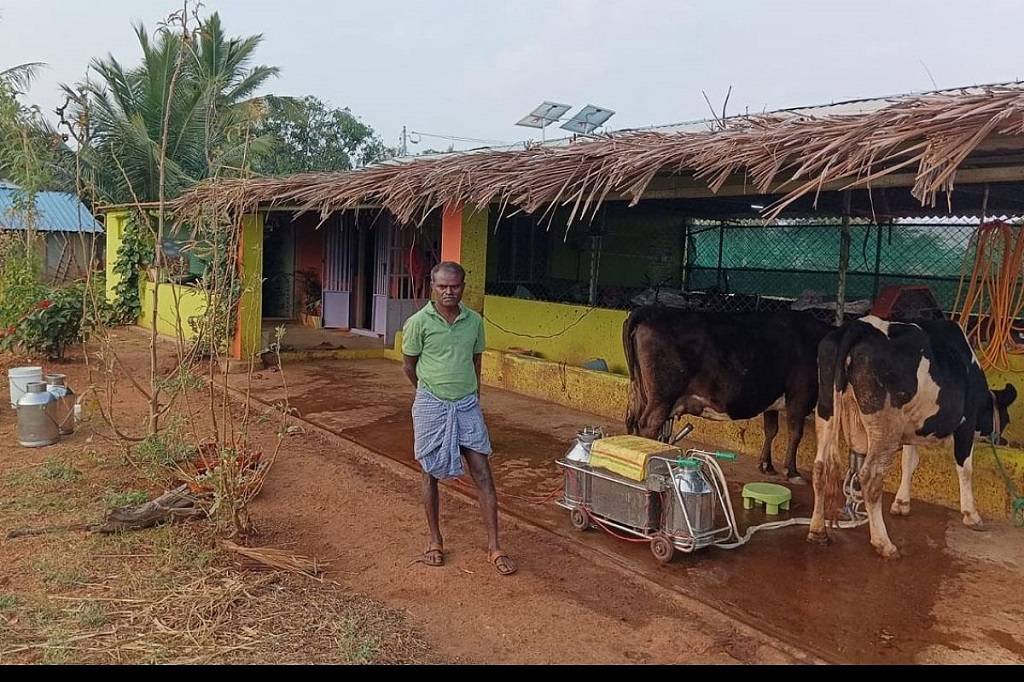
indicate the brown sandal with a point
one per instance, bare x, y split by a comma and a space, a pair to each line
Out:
434, 556
503, 563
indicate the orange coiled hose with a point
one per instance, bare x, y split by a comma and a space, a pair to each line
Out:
994, 295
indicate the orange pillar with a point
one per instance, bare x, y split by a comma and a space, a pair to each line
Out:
451, 234
464, 241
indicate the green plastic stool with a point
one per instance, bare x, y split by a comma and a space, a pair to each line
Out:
773, 496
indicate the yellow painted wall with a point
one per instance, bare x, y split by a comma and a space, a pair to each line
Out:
190, 302
595, 332
473, 255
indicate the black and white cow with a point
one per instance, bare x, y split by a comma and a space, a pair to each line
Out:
887, 385
723, 366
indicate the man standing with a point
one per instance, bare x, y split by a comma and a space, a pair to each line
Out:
442, 344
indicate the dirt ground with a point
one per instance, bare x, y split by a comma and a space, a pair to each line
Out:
332, 499
345, 490
166, 595
952, 598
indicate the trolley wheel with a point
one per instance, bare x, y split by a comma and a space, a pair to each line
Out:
662, 548
579, 518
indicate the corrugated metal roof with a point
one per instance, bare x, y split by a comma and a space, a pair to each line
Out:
55, 212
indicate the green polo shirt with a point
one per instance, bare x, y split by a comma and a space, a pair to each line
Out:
446, 351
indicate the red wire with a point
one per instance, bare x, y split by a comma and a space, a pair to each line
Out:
531, 500
608, 530
549, 497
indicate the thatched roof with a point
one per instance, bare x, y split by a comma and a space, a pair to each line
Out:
929, 136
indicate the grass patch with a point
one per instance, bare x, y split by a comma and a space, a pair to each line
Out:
115, 499
162, 451
59, 470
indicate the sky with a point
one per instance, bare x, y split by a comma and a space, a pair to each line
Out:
472, 69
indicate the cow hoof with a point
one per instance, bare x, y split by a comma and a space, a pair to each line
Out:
973, 521
888, 551
766, 468
900, 508
819, 538
797, 479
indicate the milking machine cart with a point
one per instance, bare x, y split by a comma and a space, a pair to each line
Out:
654, 491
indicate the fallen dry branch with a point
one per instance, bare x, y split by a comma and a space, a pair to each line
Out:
279, 559
173, 505
45, 530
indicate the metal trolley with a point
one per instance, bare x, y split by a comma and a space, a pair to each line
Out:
680, 504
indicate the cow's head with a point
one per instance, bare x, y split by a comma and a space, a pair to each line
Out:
996, 414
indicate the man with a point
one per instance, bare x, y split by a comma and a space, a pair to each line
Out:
442, 344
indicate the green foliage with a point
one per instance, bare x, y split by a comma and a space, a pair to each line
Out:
134, 254
21, 286
311, 136
65, 316
59, 470
164, 449
207, 112
115, 499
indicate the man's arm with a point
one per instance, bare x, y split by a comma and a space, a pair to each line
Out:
409, 366
476, 366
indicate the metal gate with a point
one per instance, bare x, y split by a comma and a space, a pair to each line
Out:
339, 262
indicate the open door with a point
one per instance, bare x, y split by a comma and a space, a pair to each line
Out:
279, 270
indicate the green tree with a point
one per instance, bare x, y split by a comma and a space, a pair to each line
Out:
309, 135
208, 113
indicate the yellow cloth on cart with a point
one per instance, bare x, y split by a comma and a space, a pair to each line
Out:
627, 455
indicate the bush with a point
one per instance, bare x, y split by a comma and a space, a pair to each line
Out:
64, 316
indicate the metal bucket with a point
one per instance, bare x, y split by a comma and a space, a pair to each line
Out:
580, 450
577, 487
62, 408
36, 428
698, 498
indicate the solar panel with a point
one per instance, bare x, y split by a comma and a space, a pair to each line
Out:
588, 119
544, 115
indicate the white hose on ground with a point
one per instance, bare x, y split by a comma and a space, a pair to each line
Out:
772, 525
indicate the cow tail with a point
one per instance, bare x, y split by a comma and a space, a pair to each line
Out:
637, 401
837, 463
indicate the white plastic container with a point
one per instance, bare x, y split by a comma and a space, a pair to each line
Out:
18, 379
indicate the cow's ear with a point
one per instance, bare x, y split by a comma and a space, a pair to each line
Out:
1006, 396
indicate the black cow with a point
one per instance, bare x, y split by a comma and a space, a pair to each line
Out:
723, 366
894, 384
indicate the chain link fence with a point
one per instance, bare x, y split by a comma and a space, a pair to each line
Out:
731, 266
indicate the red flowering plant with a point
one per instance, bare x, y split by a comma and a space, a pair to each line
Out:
50, 324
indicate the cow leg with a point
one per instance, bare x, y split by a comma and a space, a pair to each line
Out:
823, 430
872, 478
653, 418
795, 427
771, 429
963, 451
908, 463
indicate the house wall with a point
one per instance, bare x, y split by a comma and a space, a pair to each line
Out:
84, 249
177, 303
595, 332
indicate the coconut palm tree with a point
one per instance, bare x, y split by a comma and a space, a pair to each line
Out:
18, 78
199, 83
